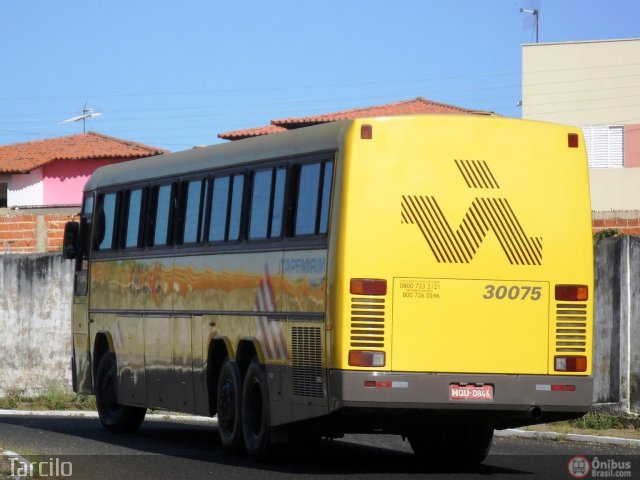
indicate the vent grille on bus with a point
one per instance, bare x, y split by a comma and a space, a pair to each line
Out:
367, 322
306, 343
571, 327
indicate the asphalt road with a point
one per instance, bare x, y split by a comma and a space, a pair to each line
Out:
164, 449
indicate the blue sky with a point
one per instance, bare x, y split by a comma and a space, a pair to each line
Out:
175, 74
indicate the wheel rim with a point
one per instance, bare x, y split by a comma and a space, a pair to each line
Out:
255, 408
227, 405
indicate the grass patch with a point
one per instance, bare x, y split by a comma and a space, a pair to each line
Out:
51, 400
596, 423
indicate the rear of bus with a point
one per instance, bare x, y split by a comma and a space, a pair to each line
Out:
462, 284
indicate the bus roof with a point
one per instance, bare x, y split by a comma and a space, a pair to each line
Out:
318, 138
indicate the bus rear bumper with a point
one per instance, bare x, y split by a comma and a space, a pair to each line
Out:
529, 397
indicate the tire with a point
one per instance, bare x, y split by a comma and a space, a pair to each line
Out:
256, 427
467, 444
229, 403
114, 416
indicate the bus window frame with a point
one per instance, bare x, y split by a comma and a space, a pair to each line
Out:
273, 167
142, 219
181, 220
154, 189
294, 194
99, 214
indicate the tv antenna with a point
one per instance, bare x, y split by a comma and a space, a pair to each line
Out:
534, 11
86, 113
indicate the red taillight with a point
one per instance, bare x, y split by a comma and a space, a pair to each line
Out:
366, 132
570, 364
362, 358
572, 293
368, 286
574, 140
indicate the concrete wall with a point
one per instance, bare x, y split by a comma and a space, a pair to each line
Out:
617, 322
581, 83
35, 330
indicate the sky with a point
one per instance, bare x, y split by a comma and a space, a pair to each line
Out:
175, 74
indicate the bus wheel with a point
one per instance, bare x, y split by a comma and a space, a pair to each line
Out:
114, 416
255, 412
229, 397
466, 444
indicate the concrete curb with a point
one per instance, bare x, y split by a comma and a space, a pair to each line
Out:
571, 437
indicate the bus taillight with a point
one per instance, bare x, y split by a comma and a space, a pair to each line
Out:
362, 358
570, 364
572, 293
368, 286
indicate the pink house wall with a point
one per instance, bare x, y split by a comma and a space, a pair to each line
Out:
63, 180
632, 145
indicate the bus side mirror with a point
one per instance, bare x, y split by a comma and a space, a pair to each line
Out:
71, 240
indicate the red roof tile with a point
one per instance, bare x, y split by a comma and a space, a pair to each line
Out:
25, 157
251, 132
417, 105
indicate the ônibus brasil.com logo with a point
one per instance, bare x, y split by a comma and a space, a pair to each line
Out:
581, 467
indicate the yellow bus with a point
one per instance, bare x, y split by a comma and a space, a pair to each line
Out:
427, 276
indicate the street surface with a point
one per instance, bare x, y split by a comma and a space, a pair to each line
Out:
167, 449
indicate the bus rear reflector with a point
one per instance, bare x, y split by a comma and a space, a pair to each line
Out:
368, 286
570, 364
574, 140
575, 293
362, 358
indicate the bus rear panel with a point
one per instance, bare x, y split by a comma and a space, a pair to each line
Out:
463, 271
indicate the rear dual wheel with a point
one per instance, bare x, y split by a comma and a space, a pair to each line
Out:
243, 410
255, 412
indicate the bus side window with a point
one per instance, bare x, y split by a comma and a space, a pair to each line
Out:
133, 219
266, 204
313, 199
162, 213
219, 209
105, 227
193, 201
235, 210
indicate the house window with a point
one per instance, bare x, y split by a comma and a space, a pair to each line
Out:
605, 145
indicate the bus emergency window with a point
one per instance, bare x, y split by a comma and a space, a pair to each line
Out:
106, 222
134, 217
235, 216
162, 215
193, 203
219, 207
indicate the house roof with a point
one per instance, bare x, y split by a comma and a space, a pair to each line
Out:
417, 105
25, 157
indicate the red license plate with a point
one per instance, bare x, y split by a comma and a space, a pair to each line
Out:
470, 392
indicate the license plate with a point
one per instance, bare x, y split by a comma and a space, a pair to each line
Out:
470, 392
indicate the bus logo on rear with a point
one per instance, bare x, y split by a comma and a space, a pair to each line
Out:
484, 214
